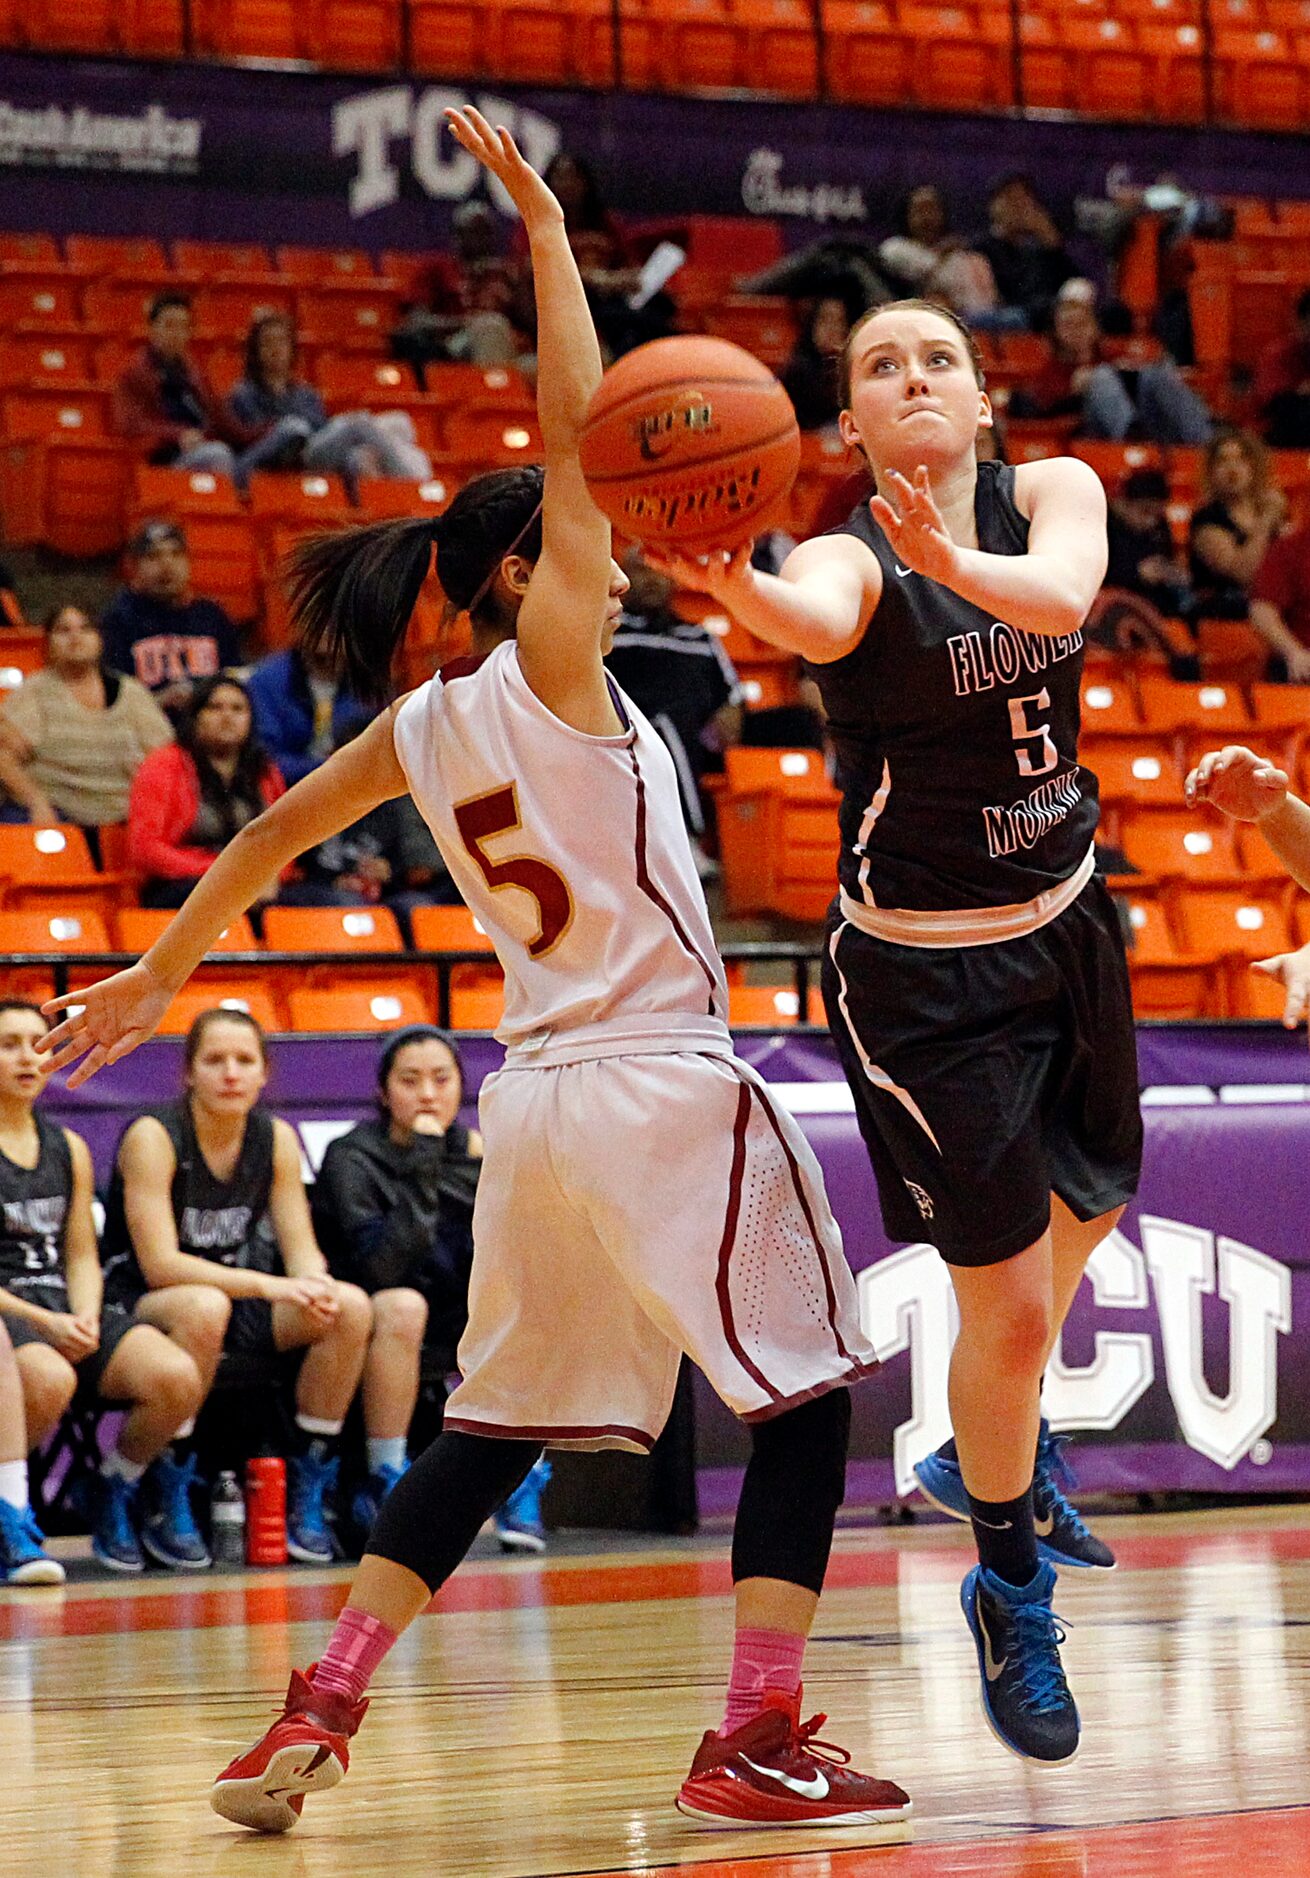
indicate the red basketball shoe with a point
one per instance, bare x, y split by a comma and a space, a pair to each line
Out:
774, 1771
303, 1752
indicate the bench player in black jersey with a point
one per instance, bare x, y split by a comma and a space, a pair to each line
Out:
69, 1339
974, 975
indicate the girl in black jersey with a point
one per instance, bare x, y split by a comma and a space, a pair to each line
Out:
207, 1196
974, 975
66, 1336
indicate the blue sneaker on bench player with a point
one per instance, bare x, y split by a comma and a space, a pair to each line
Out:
1062, 1535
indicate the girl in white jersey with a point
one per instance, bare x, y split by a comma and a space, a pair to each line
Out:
641, 1194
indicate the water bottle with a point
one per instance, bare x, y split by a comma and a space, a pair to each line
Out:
227, 1522
266, 1510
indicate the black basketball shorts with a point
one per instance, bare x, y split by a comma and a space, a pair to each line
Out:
987, 1077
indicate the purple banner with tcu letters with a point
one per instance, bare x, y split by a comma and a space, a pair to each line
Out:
280, 156
1185, 1364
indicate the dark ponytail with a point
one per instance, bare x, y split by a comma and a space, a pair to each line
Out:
353, 591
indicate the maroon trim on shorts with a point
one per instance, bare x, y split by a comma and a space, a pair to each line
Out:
726, 1244
803, 1197
500, 1431
856, 1373
652, 892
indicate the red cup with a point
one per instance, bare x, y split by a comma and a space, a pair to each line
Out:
266, 1510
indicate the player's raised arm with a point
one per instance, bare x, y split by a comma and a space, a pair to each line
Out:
106, 1021
563, 615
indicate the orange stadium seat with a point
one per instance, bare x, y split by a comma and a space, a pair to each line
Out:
1245, 922
22, 648
67, 491
1166, 982
1109, 706
1192, 845
220, 536
51, 869
38, 299
359, 35
762, 323
763, 1006
477, 1008
448, 929
62, 363
1168, 705
448, 38
1231, 652
252, 995
154, 29
322, 266
1261, 79
867, 59
246, 29
33, 250
69, 931
963, 60
221, 257
331, 929
806, 865
382, 497
492, 436
380, 1006
137, 928
300, 501
781, 50
1281, 707
1177, 55
350, 315
116, 254
1143, 772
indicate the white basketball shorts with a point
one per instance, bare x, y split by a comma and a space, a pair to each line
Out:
630, 1208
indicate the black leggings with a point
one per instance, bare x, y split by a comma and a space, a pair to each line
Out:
794, 1484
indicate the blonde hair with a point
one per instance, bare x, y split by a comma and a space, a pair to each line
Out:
1253, 448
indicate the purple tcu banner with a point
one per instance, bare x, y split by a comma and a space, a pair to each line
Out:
1186, 1361
240, 154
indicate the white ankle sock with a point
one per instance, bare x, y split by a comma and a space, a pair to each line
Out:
116, 1466
13, 1483
385, 1451
318, 1426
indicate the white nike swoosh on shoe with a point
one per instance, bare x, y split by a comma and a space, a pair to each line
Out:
902, 571
816, 1789
991, 1667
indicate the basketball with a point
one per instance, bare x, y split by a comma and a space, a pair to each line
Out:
690, 442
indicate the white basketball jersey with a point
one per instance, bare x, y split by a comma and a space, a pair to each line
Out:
570, 850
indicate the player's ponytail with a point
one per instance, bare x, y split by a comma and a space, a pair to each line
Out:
352, 592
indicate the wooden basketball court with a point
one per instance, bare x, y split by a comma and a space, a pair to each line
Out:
538, 1721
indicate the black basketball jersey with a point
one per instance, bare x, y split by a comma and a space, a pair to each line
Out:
223, 1220
34, 1218
956, 738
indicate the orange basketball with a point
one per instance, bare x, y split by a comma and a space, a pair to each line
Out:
690, 442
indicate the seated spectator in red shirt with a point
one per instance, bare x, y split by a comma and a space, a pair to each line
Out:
605, 260
164, 402
1280, 605
1282, 384
155, 629
1110, 400
191, 797
477, 303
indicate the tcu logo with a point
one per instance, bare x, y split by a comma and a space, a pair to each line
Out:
906, 1303
369, 124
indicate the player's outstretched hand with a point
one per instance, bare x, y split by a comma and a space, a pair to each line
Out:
105, 1022
497, 151
724, 575
1292, 971
1238, 782
914, 527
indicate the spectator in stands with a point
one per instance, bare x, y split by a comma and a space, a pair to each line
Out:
388, 858
1280, 605
11, 607
1230, 534
303, 710
164, 402
679, 676
23, 1557
1282, 384
811, 373
393, 1208
477, 305
207, 1196
605, 260
283, 424
1025, 249
74, 735
925, 259
65, 1334
1082, 379
191, 797
1143, 558
156, 630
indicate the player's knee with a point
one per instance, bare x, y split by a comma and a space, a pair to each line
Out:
354, 1314
402, 1314
49, 1384
172, 1382
1021, 1335
209, 1313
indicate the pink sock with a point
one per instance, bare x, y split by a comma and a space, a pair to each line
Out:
761, 1659
355, 1648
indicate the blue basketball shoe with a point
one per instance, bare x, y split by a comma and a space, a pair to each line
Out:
113, 1535
1025, 1697
518, 1524
310, 1479
365, 1506
23, 1557
1062, 1535
169, 1532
